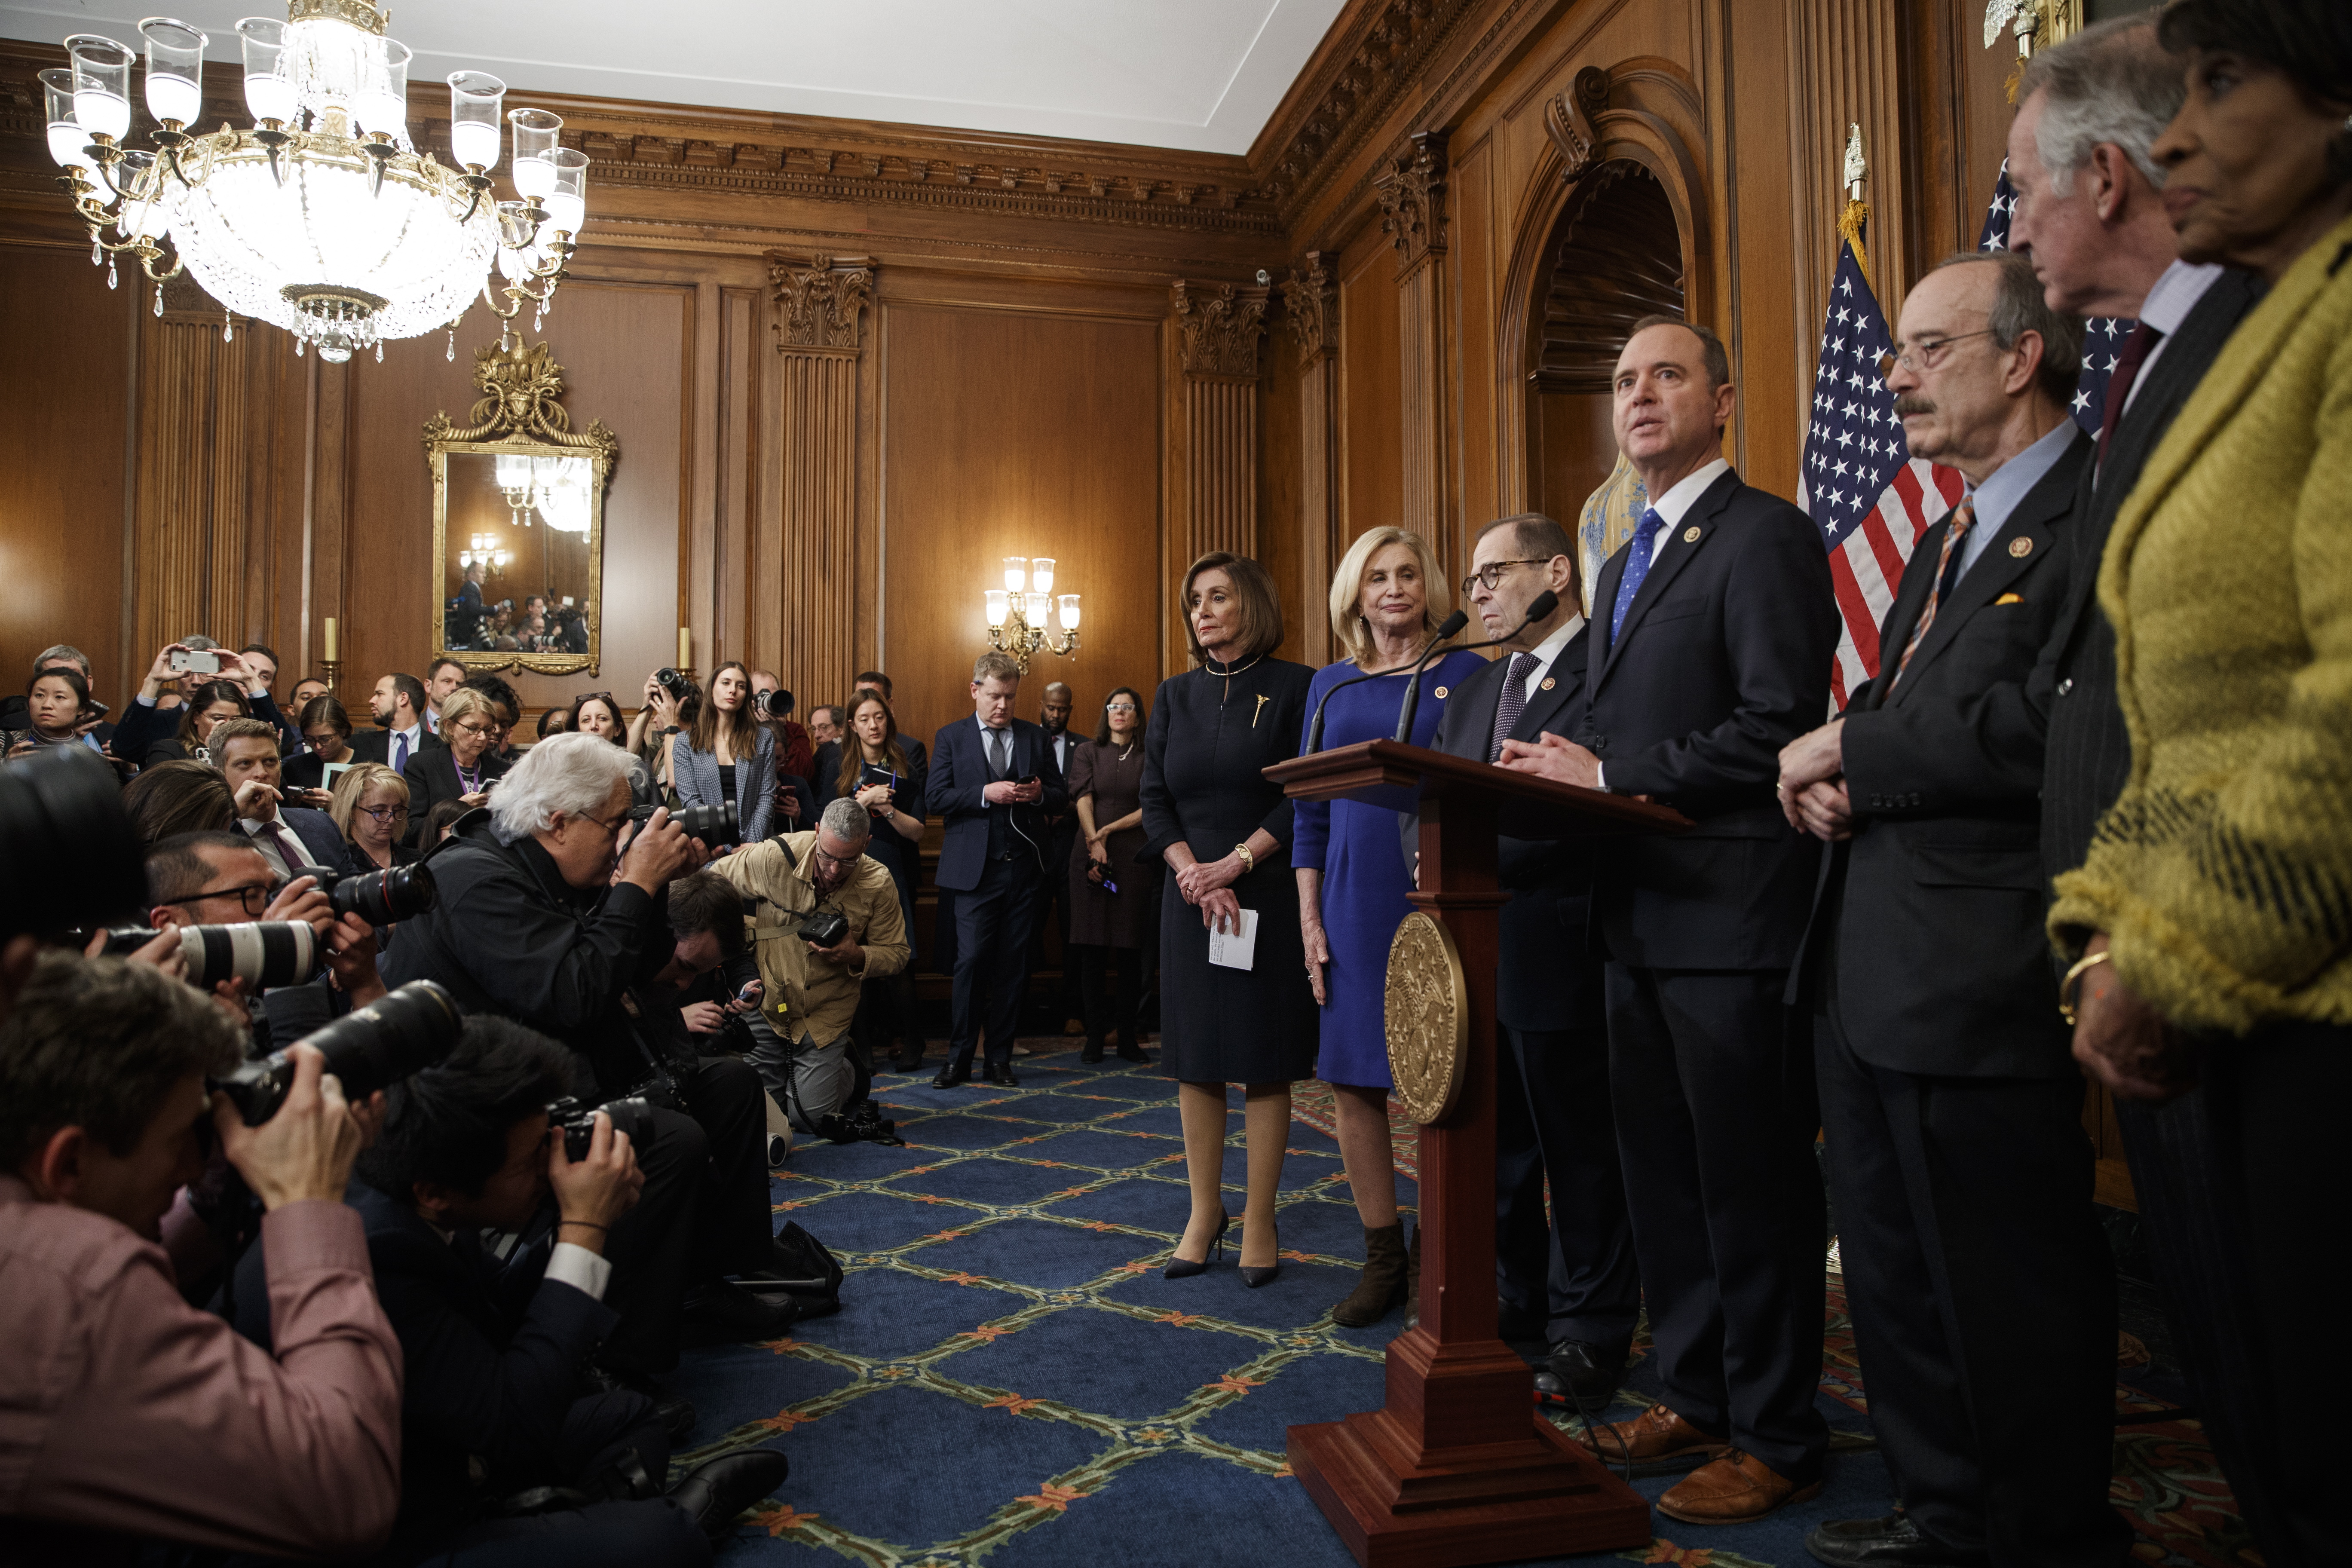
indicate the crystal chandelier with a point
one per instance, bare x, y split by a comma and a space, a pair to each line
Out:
555, 488
324, 218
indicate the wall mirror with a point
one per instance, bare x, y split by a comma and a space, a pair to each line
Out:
518, 521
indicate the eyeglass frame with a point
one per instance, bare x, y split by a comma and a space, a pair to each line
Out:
243, 896
1927, 350
381, 814
1469, 584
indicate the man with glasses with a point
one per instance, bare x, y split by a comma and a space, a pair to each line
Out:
805, 1053
398, 704
1567, 1280
220, 878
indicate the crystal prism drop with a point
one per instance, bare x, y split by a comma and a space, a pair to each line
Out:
96, 254
299, 345
379, 353
111, 281
228, 328
159, 299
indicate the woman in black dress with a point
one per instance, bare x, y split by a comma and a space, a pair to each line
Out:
1224, 831
1113, 897
872, 766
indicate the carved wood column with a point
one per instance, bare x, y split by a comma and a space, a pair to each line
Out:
805, 571
1311, 307
1412, 199
195, 420
1219, 326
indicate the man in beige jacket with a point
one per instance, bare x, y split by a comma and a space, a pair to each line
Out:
803, 1052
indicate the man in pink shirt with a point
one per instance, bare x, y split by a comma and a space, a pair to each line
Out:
126, 1414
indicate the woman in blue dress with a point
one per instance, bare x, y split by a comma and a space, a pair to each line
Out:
1387, 599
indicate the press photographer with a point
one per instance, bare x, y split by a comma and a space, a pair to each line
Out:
532, 923
492, 1349
827, 921
132, 1414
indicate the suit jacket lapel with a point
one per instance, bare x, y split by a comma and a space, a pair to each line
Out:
1675, 554
1565, 679
1910, 600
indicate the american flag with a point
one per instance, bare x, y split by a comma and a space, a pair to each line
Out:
2103, 336
1870, 498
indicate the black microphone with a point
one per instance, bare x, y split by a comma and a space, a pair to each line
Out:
1445, 628
1545, 604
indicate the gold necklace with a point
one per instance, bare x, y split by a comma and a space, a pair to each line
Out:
1210, 665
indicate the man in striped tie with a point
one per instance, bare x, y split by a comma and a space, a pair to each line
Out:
1982, 1294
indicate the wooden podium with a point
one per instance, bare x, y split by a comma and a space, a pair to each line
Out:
1457, 1467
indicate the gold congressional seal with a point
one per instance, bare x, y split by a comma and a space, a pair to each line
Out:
1428, 1018
1690, 534
2020, 548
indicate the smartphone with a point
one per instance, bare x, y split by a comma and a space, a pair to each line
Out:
93, 709
750, 994
196, 661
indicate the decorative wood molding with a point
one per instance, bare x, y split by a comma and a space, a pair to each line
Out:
1412, 193
1569, 121
1310, 304
820, 303
1219, 325
1364, 67
1615, 259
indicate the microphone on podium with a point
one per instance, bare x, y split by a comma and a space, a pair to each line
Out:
1541, 609
1445, 628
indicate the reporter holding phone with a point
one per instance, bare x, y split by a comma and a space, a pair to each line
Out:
878, 770
1114, 885
192, 677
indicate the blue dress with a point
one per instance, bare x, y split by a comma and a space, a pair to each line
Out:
1359, 849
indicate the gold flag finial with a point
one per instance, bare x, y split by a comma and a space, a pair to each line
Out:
1856, 215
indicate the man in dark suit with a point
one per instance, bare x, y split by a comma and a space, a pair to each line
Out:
1569, 1280
1982, 1289
992, 782
493, 1403
1063, 1008
290, 837
1710, 650
398, 704
2104, 245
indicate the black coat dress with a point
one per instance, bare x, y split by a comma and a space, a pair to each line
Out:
1203, 784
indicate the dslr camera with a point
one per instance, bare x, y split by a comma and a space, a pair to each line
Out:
374, 1048
632, 1114
379, 898
69, 858
711, 824
671, 680
825, 928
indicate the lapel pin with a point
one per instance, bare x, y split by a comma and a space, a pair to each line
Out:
1441, 694
1690, 534
1547, 683
2020, 548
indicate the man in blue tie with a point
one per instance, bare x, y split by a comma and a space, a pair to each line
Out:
398, 704
1710, 650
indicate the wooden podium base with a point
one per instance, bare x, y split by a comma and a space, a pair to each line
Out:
1539, 1495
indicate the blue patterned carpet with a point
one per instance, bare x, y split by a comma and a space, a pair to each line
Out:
1010, 1382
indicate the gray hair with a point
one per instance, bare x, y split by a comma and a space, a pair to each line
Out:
847, 820
572, 775
2019, 307
62, 653
2110, 82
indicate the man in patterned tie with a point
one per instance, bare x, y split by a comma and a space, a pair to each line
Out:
1713, 633
1567, 1278
1982, 1293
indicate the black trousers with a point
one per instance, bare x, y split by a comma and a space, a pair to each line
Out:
1108, 1008
704, 1211
1983, 1298
991, 966
1574, 1273
1716, 1118
2229, 1179
1067, 1000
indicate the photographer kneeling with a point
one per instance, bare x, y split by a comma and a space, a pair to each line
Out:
809, 884
493, 1350
532, 924
130, 1413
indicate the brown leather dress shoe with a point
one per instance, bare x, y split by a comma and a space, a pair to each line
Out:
1733, 1490
1655, 1433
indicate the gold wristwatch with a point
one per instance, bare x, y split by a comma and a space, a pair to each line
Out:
1249, 861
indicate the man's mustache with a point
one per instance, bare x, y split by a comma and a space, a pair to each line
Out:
1912, 402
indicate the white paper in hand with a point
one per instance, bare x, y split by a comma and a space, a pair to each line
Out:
1235, 949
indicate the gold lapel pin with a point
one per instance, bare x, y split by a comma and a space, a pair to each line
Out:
1441, 693
1262, 701
2020, 548
1690, 534
1547, 683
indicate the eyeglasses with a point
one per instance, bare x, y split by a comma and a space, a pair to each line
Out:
475, 729
384, 814
253, 899
613, 827
325, 740
1491, 573
1923, 354
1119, 706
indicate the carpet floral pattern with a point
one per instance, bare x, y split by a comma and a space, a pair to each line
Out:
1011, 1380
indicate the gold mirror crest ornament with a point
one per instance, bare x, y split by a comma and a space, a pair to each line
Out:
518, 521
1428, 1018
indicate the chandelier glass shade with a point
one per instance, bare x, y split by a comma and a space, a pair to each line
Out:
323, 217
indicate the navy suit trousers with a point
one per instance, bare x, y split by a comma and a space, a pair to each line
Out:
992, 924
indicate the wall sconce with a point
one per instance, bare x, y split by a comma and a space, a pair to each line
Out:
494, 561
1019, 612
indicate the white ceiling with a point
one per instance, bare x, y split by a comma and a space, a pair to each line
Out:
1198, 75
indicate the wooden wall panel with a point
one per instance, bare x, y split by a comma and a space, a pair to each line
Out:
1013, 432
1371, 466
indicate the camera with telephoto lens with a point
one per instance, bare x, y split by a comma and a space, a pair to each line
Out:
262, 953
68, 857
373, 1047
379, 898
632, 1114
864, 1124
671, 680
711, 824
825, 928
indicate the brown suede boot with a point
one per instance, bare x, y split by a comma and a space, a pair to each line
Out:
1382, 1284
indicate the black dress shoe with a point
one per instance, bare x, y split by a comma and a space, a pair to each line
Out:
1128, 1051
907, 1061
676, 1416
719, 1312
1092, 1053
1582, 1371
949, 1077
999, 1074
716, 1493
1893, 1542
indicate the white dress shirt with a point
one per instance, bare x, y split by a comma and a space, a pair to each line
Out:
2006, 486
1685, 495
415, 733
584, 1271
2168, 303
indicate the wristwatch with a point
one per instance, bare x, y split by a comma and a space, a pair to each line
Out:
1249, 861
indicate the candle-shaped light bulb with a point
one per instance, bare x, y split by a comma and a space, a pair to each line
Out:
1041, 574
1016, 574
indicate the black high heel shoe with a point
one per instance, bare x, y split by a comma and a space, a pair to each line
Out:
1253, 1277
1184, 1267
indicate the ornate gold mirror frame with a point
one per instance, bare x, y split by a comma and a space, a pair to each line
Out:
519, 417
